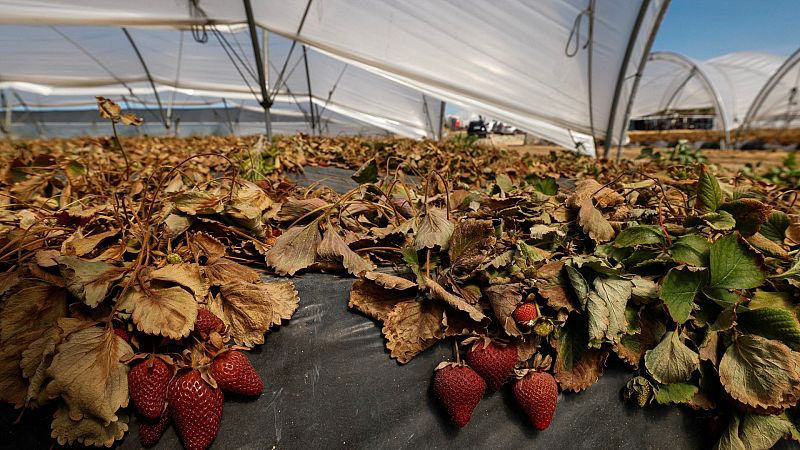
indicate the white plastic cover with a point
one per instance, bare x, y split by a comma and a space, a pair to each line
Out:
729, 83
778, 103
43, 58
553, 67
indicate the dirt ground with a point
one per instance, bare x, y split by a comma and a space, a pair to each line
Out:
731, 159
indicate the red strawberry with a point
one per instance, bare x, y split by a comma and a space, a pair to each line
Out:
537, 394
147, 383
150, 431
459, 389
123, 333
196, 409
526, 313
207, 322
234, 373
494, 363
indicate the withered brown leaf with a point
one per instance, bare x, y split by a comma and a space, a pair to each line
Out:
389, 281
440, 293
34, 307
411, 327
504, 299
584, 373
89, 281
169, 312
251, 309
470, 243
88, 374
375, 300
594, 224
434, 229
295, 249
333, 248
88, 431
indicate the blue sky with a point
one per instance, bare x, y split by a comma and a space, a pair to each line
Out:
703, 29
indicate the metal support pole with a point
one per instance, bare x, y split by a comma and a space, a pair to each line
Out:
262, 78
441, 122
7, 107
623, 69
310, 95
149, 77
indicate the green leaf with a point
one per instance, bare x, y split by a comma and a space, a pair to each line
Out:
753, 432
639, 235
775, 227
760, 372
762, 299
671, 361
676, 393
545, 185
771, 323
579, 284
792, 272
720, 220
367, 173
679, 290
606, 307
572, 342
733, 266
720, 296
692, 250
708, 191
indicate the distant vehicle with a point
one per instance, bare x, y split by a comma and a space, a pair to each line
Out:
477, 128
502, 128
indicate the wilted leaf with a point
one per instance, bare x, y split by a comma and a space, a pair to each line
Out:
333, 248
197, 202
13, 386
606, 307
87, 431
293, 209
389, 281
440, 293
733, 266
88, 374
749, 214
584, 372
78, 245
771, 323
88, 281
586, 190
169, 312
367, 173
753, 432
469, 245
594, 224
34, 307
185, 275
206, 248
108, 109
376, 301
39, 354
250, 309
767, 247
411, 327
224, 271
504, 299
434, 229
295, 249
671, 361
678, 291
760, 372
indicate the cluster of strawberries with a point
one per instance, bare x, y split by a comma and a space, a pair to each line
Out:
459, 386
162, 395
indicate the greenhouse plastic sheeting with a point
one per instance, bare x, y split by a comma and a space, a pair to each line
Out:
551, 67
778, 103
40, 58
729, 82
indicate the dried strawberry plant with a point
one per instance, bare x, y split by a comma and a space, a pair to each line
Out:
105, 270
542, 267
